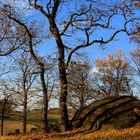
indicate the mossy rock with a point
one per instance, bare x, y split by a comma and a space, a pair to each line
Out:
120, 112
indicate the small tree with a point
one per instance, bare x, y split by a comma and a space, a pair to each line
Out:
136, 59
6, 101
23, 82
114, 76
79, 84
135, 54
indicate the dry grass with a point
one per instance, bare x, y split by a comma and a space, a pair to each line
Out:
10, 126
126, 134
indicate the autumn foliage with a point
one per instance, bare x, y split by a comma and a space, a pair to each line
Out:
114, 75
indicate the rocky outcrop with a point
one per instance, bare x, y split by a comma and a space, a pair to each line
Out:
120, 112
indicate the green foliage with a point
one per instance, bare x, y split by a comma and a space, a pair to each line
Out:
35, 118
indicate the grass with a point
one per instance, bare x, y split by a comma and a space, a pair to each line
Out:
107, 133
10, 126
125, 134
35, 118
14, 121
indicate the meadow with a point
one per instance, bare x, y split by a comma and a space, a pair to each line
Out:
34, 119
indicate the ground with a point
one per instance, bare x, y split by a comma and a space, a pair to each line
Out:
107, 133
125, 134
10, 126
34, 119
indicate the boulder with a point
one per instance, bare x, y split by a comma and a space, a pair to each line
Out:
120, 112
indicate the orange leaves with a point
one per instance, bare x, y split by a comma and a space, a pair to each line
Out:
113, 74
112, 62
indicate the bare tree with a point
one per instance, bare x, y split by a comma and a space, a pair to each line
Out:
85, 19
27, 37
23, 82
5, 92
5, 100
9, 37
6, 97
79, 83
30, 36
135, 54
136, 59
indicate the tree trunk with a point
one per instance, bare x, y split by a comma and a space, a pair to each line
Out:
63, 93
62, 74
2, 114
43, 84
82, 91
45, 99
82, 101
25, 112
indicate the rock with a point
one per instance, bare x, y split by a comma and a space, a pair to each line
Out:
119, 112
137, 111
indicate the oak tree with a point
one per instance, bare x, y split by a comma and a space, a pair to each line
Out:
114, 76
84, 19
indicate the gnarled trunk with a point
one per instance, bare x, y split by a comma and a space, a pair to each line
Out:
62, 74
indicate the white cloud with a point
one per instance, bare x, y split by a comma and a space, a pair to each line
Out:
93, 70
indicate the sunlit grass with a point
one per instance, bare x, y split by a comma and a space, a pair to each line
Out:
10, 126
126, 134
104, 134
35, 118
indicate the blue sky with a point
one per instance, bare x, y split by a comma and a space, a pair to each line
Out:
122, 40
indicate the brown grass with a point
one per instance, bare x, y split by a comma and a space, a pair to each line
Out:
126, 134
10, 126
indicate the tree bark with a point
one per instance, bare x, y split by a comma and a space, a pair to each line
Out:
62, 75
2, 115
45, 99
63, 95
82, 101
25, 112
